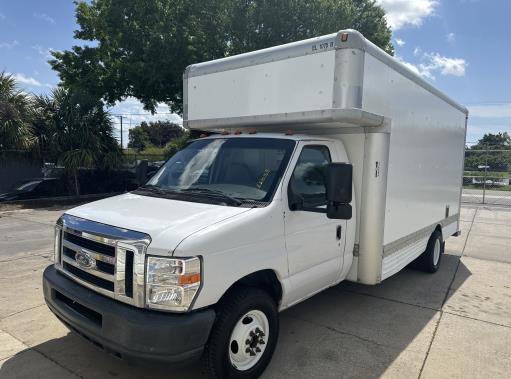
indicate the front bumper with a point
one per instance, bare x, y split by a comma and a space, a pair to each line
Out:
130, 333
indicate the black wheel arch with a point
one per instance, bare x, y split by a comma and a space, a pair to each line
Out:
267, 280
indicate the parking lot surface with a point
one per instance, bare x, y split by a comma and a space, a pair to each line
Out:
455, 323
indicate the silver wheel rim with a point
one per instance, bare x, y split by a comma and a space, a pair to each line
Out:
248, 340
436, 252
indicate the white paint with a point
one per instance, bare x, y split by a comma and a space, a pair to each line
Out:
167, 221
426, 150
424, 161
298, 84
395, 262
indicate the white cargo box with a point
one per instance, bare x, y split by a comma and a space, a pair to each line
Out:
404, 137
297, 82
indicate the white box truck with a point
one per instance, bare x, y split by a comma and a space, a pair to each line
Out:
330, 161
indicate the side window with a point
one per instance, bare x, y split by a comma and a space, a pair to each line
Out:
307, 183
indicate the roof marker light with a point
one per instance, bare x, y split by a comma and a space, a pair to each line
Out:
289, 132
237, 132
225, 132
252, 131
344, 37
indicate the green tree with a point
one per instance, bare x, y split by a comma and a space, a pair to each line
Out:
15, 115
177, 144
156, 134
77, 131
258, 24
480, 154
161, 132
43, 125
499, 141
141, 47
138, 139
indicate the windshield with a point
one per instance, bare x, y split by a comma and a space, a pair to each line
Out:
240, 169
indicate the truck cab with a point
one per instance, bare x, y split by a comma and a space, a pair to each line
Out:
227, 212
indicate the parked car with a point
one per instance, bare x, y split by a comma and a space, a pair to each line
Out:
36, 188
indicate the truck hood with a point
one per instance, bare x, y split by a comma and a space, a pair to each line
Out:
167, 221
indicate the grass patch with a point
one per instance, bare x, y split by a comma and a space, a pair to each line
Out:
489, 187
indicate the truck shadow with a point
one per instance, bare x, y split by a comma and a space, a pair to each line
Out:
349, 330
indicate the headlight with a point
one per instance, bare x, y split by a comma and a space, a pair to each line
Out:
172, 283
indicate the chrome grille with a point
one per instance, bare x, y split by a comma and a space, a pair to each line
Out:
107, 259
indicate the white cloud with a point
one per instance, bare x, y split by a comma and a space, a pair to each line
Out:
497, 110
407, 12
488, 118
134, 111
9, 45
46, 53
133, 114
26, 80
451, 37
416, 51
400, 42
430, 63
419, 69
446, 65
44, 17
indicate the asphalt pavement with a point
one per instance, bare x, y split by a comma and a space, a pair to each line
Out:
455, 323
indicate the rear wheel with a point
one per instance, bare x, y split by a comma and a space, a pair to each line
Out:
244, 336
430, 260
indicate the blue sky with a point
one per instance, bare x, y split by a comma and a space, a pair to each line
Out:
460, 46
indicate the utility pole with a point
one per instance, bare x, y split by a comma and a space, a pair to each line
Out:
120, 117
122, 146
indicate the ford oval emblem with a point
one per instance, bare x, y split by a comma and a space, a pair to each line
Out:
85, 260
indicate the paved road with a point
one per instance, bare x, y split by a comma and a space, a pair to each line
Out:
494, 197
456, 323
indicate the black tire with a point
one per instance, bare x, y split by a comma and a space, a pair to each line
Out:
426, 261
240, 301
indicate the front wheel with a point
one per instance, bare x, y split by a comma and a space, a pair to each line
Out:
244, 336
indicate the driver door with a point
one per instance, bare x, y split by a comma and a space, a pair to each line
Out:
315, 244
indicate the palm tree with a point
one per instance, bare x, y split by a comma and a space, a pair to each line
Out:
15, 115
43, 126
82, 134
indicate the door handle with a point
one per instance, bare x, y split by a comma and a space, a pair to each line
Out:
338, 232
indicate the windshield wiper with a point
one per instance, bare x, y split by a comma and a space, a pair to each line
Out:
155, 189
211, 192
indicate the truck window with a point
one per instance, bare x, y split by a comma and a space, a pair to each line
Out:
247, 169
308, 179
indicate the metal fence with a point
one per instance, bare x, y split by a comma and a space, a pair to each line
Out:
131, 158
20, 166
487, 176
